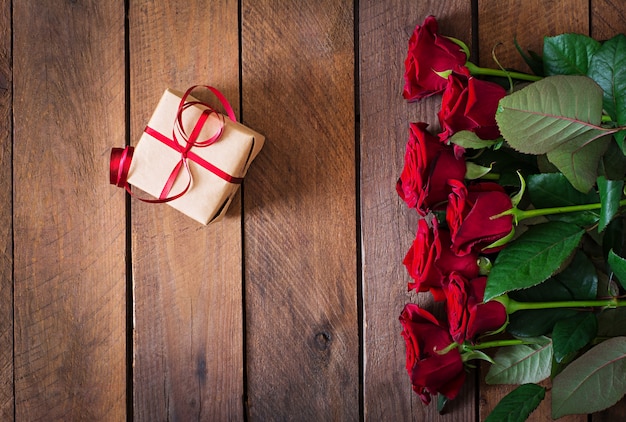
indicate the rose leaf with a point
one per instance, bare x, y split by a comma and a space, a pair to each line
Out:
568, 54
578, 160
533, 257
559, 116
535, 322
618, 266
610, 195
522, 363
572, 334
593, 382
518, 404
468, 139
608, 69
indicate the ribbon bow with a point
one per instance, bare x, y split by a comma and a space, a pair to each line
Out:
122, 157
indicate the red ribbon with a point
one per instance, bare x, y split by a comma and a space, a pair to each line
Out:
122, 157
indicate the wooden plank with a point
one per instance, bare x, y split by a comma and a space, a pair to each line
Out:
388, 227
69, 225
300, 213
6, 217
528, 22
608, 18
188, 341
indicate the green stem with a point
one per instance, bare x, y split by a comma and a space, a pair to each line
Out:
476, 70
514, 306
519, 215
522, 214
497, 343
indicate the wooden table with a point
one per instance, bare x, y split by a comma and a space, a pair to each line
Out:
113, 309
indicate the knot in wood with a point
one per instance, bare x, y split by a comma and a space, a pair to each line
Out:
323, 340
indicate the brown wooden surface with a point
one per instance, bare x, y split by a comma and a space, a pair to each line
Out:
6, 218
69, 228
288, 308
300, 211
188, 337
388, 228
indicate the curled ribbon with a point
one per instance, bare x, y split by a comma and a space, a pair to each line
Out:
122, 157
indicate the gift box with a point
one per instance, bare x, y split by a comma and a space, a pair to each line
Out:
193, 157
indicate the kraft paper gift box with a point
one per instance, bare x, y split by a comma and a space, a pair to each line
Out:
209, 194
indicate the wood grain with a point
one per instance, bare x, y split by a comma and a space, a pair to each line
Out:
187, 277
188, 341
528, 22
503, 22
608, 18
69, 225
300, 211
388, 227
6, 216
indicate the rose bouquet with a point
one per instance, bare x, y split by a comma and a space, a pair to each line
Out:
520, 198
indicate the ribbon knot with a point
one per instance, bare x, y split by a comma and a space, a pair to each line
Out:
122, 157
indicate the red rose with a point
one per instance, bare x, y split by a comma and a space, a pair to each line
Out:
428, 165
468, 316
429, 53
469, 215
430, 259
430, 372
470, 104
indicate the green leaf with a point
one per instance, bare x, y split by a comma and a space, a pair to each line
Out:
593, 382
578, 281
613, 164
619, 139
613, 238
532, 258
618, 266
520, 364
536, 322
608, 69
474, 171
579, 278
559, 116
518, 404
548, 190
578, 160
441, 403
467, 139
572, 334
547, 113
568, 54
532, 59
610, 196
506, 162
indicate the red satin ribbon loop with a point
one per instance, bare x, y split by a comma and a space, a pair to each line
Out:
120, 164
121, 157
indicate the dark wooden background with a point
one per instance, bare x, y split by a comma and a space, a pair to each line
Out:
287, 309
